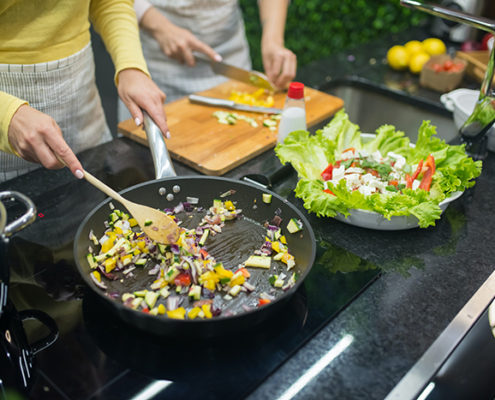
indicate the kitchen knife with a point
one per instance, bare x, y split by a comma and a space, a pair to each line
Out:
212, 101
254, 78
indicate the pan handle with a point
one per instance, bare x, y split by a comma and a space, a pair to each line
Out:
159, 151
28, 217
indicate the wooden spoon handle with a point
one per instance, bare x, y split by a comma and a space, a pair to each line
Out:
104, 188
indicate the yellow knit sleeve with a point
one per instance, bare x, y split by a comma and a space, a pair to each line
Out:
8, 106
115, 21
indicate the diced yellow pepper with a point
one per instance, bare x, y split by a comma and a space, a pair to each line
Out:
238, 280
207, 310
283, 239
141, 244
161, 309
132, 222
107, 244
276, 246
110, 264
193, 313
222, 272
97, 275
229, 205
178, 313
118, 230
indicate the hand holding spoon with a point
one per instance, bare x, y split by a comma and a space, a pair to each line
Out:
156, 224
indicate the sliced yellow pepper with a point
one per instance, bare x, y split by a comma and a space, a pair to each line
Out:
193, 313
161, 309
207, 310
178, 313
110, 264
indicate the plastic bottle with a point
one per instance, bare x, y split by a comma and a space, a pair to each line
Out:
294, 113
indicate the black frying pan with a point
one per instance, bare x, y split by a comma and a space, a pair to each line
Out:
233, 246
237, 241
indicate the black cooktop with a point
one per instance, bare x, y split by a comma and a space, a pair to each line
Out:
97, 355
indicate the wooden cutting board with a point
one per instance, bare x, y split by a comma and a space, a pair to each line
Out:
477, 63
201, 142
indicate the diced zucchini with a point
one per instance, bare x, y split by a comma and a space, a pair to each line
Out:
235, 290
141, 261
204, 236
162, 248
127, 296
136, 302
164, 292
150, 298
148, 222
91, 261
195, 292
267, 198
258, 262
294, 225
140, 293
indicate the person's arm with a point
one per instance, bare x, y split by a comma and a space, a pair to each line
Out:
115, 21
280, 63
33, 135
175, 42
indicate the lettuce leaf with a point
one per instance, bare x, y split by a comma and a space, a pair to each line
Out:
311, 154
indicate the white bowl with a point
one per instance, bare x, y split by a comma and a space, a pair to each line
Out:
374, 220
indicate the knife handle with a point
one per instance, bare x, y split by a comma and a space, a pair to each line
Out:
211, 101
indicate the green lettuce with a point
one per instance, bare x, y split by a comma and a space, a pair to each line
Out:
311, 154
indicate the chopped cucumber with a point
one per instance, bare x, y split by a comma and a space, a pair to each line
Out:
258, 262
294, 225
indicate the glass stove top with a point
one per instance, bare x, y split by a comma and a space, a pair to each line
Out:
100, 356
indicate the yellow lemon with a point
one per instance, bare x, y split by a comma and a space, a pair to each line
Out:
417, 61
398, 57
413, 46
434, 46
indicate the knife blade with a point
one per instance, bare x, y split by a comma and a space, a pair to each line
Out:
213, 101
254, 78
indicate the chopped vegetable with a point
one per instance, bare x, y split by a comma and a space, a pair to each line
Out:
267, 198
294, 225
258, 262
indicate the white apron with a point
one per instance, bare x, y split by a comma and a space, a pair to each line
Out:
66, 90
217, 23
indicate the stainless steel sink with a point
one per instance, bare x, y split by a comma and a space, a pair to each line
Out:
370, 107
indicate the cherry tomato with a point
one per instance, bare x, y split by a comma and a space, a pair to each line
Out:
437, 67
447, 65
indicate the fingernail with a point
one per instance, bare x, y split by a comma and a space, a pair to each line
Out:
137, 121
167, 135
79, 174
218, 57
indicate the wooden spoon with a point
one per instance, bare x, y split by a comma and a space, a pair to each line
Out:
156, 224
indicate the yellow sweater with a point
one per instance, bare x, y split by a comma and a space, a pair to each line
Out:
40, 31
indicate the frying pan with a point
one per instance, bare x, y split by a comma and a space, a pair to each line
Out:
234, 245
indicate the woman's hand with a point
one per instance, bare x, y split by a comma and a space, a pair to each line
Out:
36, 137
139, 92
280, 64
175, 42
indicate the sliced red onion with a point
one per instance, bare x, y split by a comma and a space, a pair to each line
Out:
179, 208
113, 295
108, 275
101, 285
246, 308
202, 302
174, 248
228, 313
276, 219
131, 268
188, 207
155, 270
248, 286
173, 302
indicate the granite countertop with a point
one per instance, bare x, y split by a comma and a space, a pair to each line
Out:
428, 275
394, 321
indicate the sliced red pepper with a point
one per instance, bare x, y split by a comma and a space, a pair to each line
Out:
409, 181
329, 191
183, 279
203, 253
146, 310
430, 162
327, 172
418, 170
244, 272
394, 183
262, 302
426, 181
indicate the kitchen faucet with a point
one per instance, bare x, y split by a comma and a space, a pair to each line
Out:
474, 131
